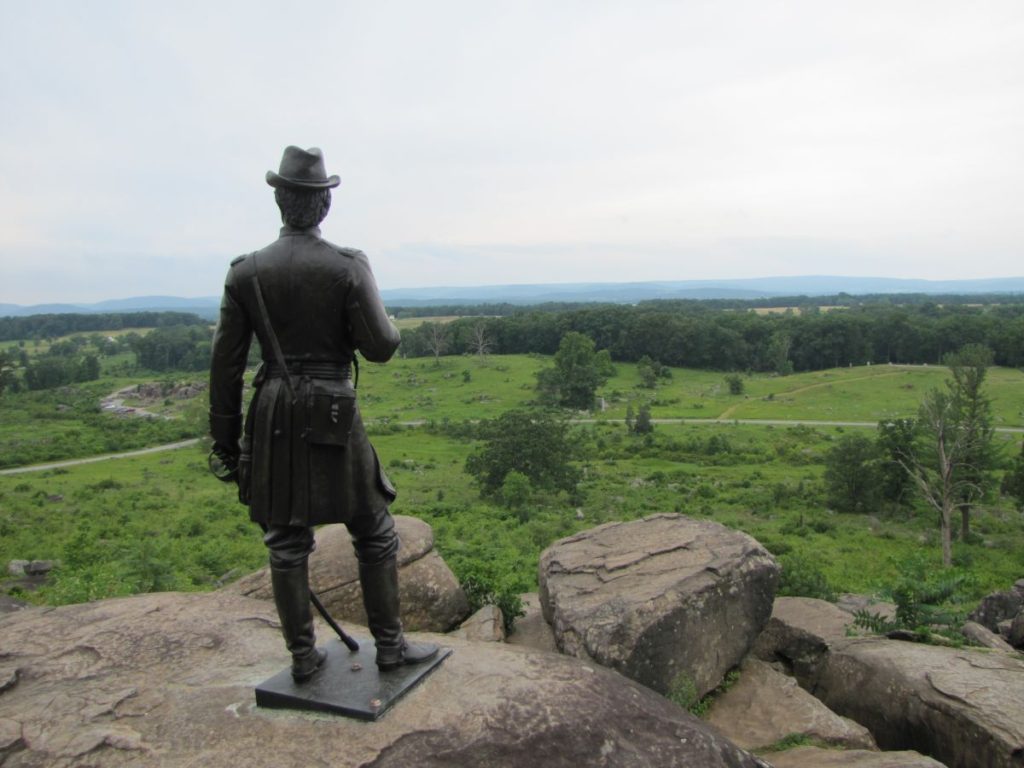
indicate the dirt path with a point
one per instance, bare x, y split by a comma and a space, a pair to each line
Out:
421, 422
104, 457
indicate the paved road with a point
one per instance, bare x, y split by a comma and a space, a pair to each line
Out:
104, 457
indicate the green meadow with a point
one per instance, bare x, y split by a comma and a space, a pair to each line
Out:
160, 521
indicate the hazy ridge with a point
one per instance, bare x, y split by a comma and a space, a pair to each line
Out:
535, 293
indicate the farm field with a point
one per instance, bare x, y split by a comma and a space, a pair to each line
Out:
161, 521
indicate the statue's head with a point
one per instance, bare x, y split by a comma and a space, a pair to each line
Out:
302, 187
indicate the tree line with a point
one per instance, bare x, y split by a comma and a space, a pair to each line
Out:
695, 335
52, 326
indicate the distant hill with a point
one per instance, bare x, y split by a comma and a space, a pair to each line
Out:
742, 288
618, 293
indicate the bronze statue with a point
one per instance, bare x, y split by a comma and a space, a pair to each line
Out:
303, 458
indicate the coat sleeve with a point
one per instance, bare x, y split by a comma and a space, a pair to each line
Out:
373, 333
230, 352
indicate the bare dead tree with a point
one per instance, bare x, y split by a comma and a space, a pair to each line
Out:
478, 338
937, 466
437, 340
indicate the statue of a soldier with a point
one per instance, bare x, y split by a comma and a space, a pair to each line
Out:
303, 457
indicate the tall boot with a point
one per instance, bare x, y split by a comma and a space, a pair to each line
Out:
380, 596
291, 596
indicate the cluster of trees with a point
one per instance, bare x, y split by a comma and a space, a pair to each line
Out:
175, 348
523, 452
579, 369
695, 335
946, 454
77, 358
65, 362
53, 326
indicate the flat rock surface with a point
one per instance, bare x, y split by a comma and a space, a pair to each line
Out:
965, 707
431, 598
530, 629
815, 757
765, 706
167, 680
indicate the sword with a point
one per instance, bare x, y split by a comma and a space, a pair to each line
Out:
345, 638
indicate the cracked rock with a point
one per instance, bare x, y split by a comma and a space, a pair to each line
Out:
668, 601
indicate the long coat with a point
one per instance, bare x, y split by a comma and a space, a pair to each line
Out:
323, 305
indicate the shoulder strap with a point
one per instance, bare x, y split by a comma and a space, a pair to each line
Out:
274, 345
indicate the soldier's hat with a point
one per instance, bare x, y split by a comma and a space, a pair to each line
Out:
302, 169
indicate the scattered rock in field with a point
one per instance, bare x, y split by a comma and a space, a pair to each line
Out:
668, 601
17, 567
431, 598
39, 567
765, 706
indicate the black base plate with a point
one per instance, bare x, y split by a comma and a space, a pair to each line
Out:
349, 683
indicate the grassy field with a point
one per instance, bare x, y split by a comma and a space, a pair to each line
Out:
161, 522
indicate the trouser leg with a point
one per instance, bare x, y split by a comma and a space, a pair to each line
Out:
289, 548
376, 545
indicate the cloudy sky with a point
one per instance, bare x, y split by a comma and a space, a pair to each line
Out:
512, 142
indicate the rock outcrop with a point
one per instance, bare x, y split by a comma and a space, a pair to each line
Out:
167, 679
980, 635
965, 707
668, 601
998, 607
764, 706
800, 631
815, 757
432, 600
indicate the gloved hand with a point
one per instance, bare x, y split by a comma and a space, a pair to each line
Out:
223, 462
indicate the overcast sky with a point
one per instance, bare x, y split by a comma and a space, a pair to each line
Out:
512, 142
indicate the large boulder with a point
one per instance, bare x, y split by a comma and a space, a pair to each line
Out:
431, 598
815, 757
765, 706
964, 707
668, 601
980, 635
1015, 634
167, 679
998, 607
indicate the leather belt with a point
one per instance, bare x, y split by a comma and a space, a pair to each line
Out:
315, 369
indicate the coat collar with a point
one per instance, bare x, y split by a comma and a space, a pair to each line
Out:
287, 231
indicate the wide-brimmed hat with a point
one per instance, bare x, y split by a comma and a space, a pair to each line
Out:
302, 169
